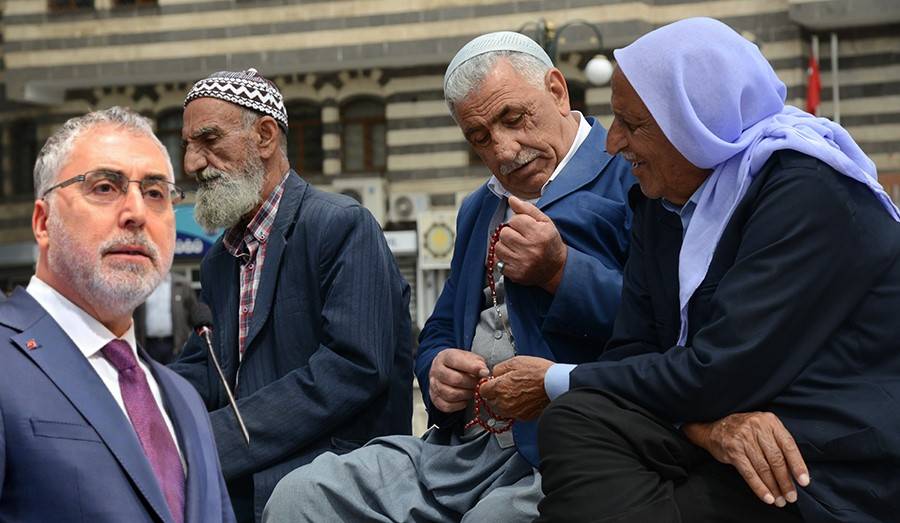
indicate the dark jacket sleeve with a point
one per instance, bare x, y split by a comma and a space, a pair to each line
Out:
636, 329
2, 447
363, 299
792, 283
595, 228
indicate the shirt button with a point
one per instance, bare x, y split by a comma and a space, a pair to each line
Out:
492, 422
245, 308
250, 266
498, 335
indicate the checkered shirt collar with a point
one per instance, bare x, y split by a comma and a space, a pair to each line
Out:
260, 227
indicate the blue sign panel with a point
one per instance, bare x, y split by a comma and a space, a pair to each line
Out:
191, 241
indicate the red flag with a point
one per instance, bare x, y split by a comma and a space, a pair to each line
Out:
813, 86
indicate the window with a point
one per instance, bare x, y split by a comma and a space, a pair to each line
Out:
363, 139
69, 5
305, 137
125, 3
168, 128
18, 159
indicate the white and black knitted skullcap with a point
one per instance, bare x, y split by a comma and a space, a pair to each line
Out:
245, 88
492, 42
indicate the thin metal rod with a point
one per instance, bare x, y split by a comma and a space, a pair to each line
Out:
815, 48
204, 331
835, 79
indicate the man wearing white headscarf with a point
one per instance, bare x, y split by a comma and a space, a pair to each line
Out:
763, 275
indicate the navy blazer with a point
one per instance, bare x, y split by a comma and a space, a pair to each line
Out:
797, 316
588, 204
68, 453
328, 359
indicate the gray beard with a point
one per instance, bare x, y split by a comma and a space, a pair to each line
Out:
227, 197
119, 287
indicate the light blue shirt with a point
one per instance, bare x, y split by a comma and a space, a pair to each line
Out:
556, 381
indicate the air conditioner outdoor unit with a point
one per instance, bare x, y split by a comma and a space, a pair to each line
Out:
406, 207
367, 191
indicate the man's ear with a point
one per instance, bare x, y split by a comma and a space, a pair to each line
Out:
268, 136
39, 223
555, 83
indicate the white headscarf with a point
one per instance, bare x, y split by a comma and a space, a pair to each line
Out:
719, 102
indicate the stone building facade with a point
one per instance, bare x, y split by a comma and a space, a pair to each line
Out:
362, 79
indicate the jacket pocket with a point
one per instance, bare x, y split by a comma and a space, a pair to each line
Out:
63, 430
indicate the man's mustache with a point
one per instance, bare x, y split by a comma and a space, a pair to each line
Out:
209, 174
524, 156
136, 242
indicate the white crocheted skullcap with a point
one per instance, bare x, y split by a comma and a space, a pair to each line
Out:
498, 41
245, 88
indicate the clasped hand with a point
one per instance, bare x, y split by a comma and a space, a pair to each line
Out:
516, 389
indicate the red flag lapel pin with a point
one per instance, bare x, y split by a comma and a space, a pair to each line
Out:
31, 344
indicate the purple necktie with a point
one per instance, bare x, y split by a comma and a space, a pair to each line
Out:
149, 424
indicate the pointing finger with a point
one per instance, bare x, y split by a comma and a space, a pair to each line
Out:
522, 207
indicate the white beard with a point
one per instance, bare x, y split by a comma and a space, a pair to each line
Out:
120, 286
224, 198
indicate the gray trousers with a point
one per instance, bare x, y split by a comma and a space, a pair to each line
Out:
439, 477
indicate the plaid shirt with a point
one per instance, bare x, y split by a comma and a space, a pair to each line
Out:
249, 247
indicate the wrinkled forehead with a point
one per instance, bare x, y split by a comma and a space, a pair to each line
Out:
132, 152
501, 91
624, 97
210, 112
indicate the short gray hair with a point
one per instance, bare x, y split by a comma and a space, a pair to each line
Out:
469, 76
56, 150
249, 116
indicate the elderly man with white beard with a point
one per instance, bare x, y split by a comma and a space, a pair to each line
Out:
312, 314
90, 427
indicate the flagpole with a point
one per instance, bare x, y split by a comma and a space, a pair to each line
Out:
815, 47
835, 83
813, 81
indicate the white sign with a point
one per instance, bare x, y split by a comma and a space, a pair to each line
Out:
401, 242
437, 236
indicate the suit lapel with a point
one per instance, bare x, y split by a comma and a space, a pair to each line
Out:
473, 265
186, 431
583, 167
668, 249
45, 343
218, 266
294, 190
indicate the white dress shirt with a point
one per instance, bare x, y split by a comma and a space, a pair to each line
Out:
90, 336
159, 310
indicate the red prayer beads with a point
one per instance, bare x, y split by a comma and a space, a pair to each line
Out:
491, 262
491, 424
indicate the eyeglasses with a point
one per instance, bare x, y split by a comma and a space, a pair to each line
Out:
106, 187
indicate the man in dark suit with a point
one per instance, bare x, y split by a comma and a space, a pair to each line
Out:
763, 275
311, 313
555, 271
92, 429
